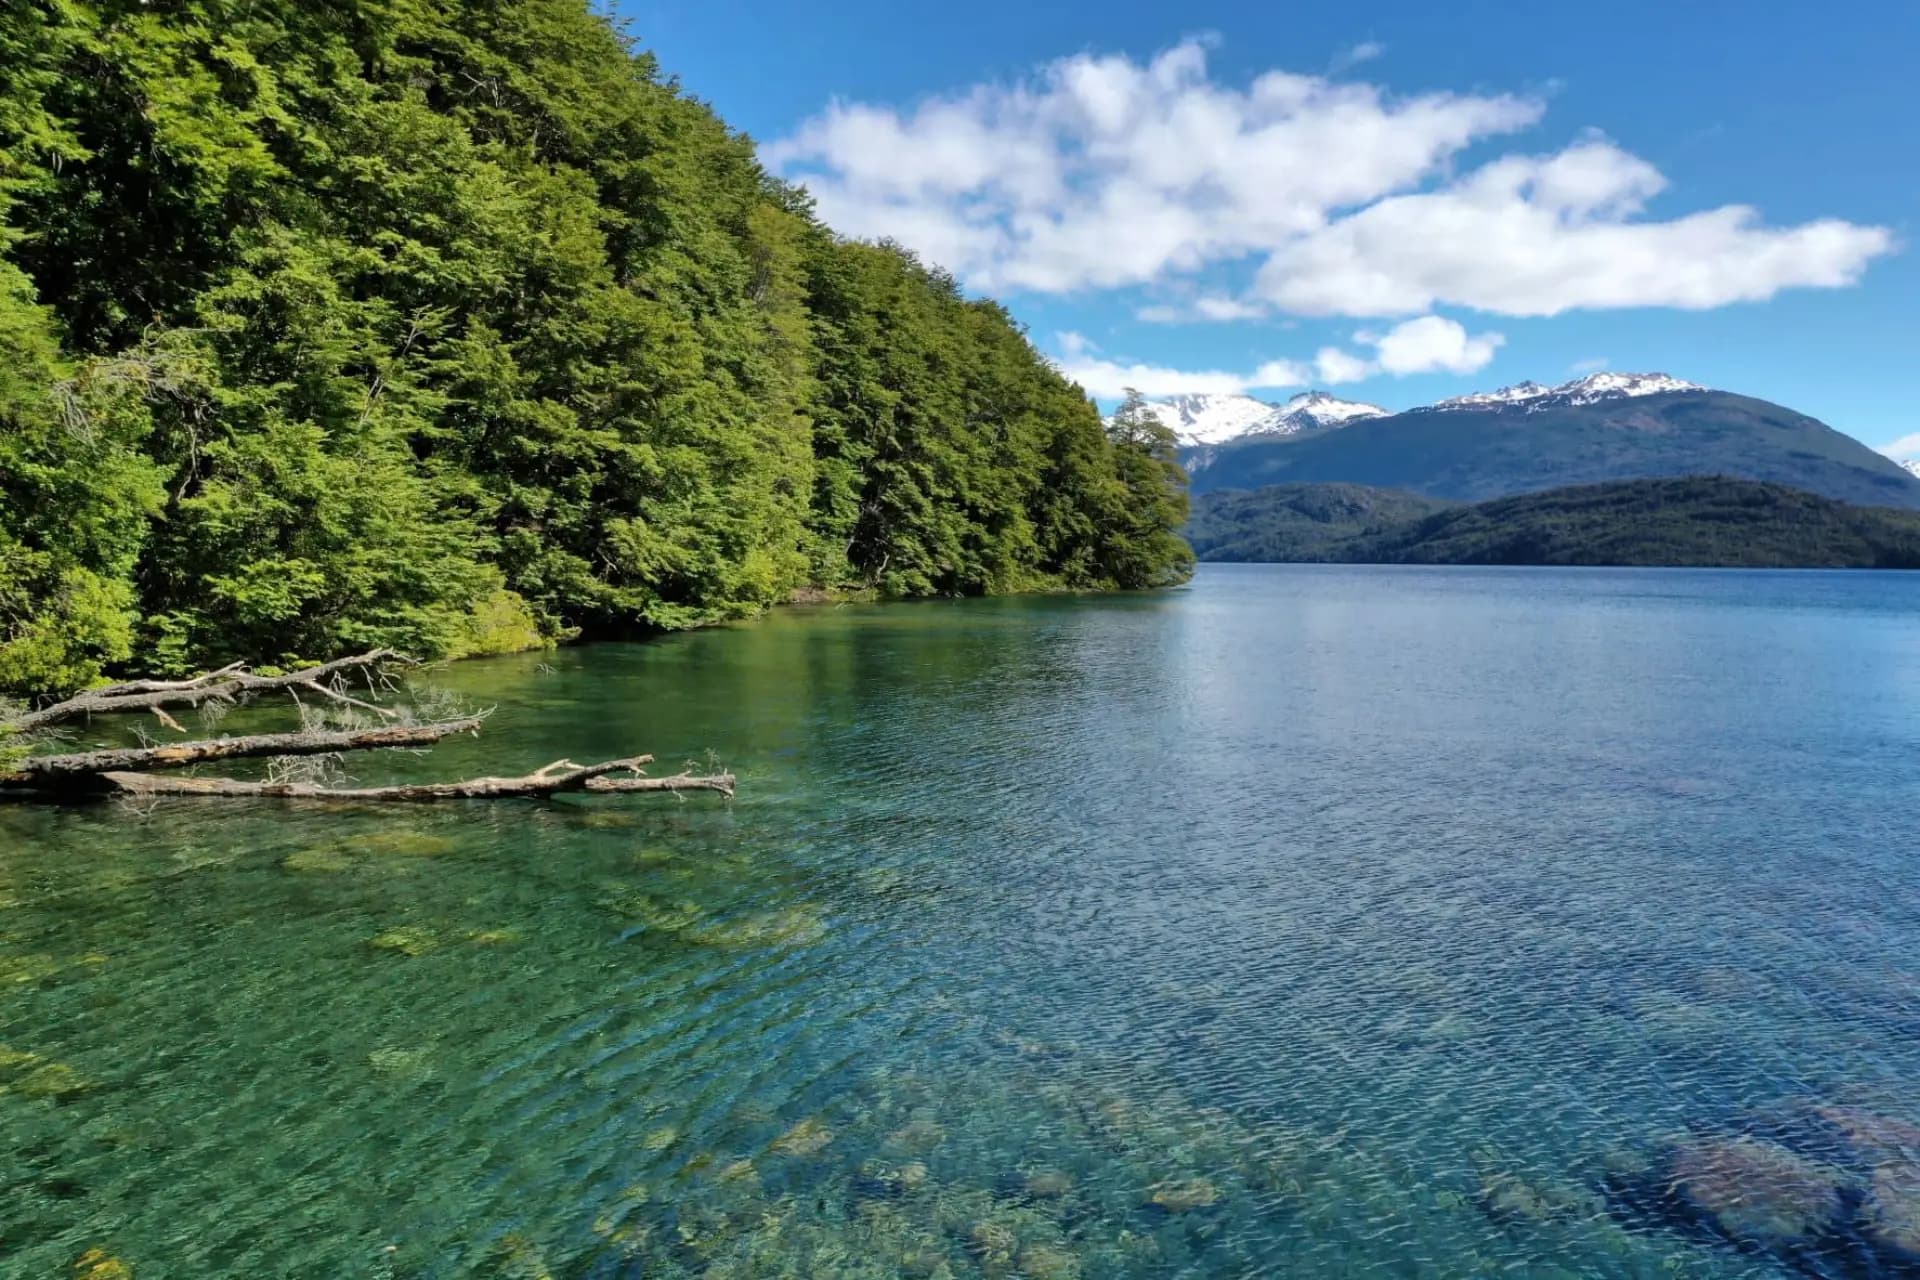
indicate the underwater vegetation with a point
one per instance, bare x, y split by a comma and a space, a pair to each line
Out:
33, 1076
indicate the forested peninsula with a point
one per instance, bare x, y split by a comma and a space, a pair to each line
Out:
457, 326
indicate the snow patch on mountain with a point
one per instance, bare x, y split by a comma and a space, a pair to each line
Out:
1591, 389
1324, 409
1210, 419
1910, 465
1203, 419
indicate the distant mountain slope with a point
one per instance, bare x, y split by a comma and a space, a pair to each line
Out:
1471, 451
1691, 521
1297, 521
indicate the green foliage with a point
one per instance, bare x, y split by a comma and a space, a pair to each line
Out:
1297, 522
453, 325
1707, 521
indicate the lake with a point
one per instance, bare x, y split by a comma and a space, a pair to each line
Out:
1302, 922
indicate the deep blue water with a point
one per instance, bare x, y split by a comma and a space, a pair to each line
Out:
1306, 921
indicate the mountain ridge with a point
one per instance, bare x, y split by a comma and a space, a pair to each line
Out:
1208, 418
1688, 521
1213, 418
1590, 431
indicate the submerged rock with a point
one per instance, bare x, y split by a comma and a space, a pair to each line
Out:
407, 940
1510, 1197
1757, 1191
1890, 1219
1876, 1139
921, 1134
518, 1257
1048, 1184
33, 1076
807, 1138
398, 1060
98, 1264
795, 926
326, 860
993, 1241
28, 968
1185, 1194
1042, 1262
406, 844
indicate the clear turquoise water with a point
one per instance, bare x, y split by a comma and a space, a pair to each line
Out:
1305, 922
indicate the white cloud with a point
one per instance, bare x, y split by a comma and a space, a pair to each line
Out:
1536, 236
1336, 366
1101, 172
1348, 59
1109, 379
1432, 344
1213, 308
1592, 364
1428, 344
1904, 447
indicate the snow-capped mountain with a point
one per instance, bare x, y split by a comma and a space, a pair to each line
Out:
1210, 419
1324, 409
1206, 418
1203, 419
1910, 465
1591, 389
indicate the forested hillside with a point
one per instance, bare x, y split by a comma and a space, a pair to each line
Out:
1693, 520
453, 325
1472, 453
1297, 522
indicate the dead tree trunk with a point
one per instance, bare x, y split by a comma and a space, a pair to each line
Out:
588, 778
120, 771
52, 771
225, 685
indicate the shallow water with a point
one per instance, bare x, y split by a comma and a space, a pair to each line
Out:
1308, 921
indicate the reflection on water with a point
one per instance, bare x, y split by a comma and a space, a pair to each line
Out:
1308, 922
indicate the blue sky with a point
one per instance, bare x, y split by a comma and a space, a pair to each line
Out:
1403, 201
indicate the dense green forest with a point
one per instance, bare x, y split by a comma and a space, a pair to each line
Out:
1694, 520
1297, 522
455, 325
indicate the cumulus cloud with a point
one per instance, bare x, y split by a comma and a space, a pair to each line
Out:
1904, 447
1428, 344
1110, 379
1539, 235
1102, 172
1213, 308
1431, 344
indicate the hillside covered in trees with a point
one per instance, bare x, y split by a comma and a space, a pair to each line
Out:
455, 325
1707, 521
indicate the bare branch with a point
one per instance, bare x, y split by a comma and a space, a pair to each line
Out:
224, 685
547, 781
79, 768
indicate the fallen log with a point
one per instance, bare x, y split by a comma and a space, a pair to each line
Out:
225, 685
80, 767
542, 782
121, 771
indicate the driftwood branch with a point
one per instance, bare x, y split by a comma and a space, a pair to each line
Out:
225, 685
122, 770
79, 768
554, 778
